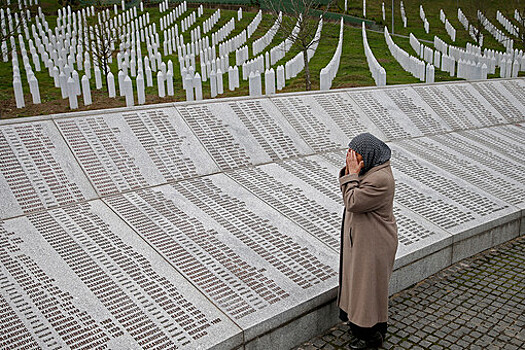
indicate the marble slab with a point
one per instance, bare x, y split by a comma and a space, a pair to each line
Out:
244, 132
504, 96
80, 277
326, 121
305, 190
454, 205
257, 266
37, 170
464, 155
460, 105
399, 112
126, 151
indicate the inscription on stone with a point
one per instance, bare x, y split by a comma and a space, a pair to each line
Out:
502, 100
135, 150
326, 119
76, 277
243, 133
319, 134
441, 199
459, 105
222, 240
285, 192
383, 112
461, 157
37, 170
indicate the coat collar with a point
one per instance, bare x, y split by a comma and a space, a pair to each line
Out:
374, 169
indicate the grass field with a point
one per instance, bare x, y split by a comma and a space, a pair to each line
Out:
353, 70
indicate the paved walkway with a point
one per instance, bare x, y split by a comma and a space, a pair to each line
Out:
478, 303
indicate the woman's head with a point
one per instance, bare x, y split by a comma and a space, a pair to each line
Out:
373, 151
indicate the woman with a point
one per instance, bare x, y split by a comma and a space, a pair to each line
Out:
368, 240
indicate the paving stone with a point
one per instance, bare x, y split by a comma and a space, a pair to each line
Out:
461, 307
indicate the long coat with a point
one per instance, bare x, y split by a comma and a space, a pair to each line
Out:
368, 244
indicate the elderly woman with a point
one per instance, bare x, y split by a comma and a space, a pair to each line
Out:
368, 240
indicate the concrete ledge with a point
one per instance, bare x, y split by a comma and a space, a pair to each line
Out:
300, 329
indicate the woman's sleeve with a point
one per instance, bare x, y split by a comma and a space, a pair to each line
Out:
363, 196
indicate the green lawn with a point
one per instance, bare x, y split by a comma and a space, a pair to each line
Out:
353, 69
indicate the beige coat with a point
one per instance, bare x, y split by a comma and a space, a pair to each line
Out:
369, 244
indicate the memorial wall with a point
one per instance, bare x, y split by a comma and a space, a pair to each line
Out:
216, 224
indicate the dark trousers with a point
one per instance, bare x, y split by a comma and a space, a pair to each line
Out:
362, 332
368, 333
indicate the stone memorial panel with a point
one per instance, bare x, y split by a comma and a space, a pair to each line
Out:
460, 155
78, 277
38, 170
127, 151
517, 88
254, 264
304, 190
325, 121
442, 198
244, 132
460, 105
383, 112
399, 112
502, 99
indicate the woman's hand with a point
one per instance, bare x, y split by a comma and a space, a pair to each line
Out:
353, 166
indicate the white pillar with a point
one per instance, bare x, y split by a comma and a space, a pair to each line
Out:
149, 76
111, 85
160, 84
515, 69
429, 73
86, 91
236, 77
254, 81
437, 58
280, 77
63, 84
128, 91
56, 76
121, 76
197, 83
213, 84
502, 68
269, 82
19, 93
72, 93
484, 70
220, 82
231, 77
141, 96
169, 83
98, 78
189, 87
76, 79
35, 91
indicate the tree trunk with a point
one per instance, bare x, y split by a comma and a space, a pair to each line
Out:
307, 81
105, 71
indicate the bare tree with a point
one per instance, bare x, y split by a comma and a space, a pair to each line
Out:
299, 26
518, 13
103, 41
478, 23
13, 16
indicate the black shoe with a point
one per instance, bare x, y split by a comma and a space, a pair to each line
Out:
375, 342
351, 336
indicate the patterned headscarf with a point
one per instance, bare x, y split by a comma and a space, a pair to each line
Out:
374, 151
